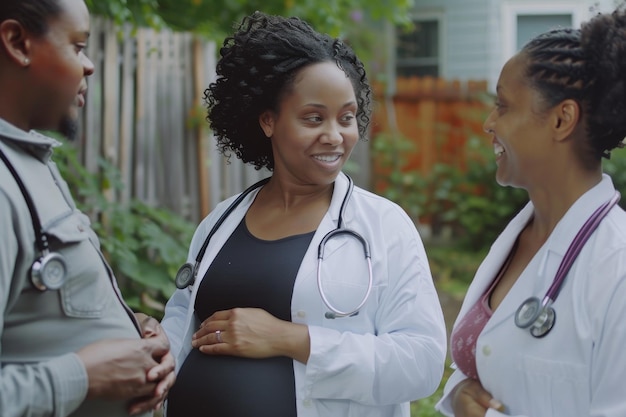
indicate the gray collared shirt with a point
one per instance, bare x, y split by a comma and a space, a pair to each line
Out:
40, 375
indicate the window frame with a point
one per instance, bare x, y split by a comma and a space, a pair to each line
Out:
417, 16
511, 9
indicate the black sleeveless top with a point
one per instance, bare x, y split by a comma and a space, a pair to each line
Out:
247, 272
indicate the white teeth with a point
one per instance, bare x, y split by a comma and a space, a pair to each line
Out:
327, 158
498, 149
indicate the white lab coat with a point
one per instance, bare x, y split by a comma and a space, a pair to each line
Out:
371, 364
578, 369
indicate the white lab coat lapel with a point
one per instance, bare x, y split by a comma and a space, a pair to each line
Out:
306, 278
215, 245
538, 276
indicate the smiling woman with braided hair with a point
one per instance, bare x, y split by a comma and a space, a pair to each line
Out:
561, 108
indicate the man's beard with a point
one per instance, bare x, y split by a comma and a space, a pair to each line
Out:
69, 128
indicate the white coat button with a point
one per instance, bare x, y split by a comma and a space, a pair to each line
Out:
486, 350
301, 314
307, 403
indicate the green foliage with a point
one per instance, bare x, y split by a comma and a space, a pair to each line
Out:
480, 206
616, 168
144, 245
215, 18
404, 187
453, 266
468, 203
137, 12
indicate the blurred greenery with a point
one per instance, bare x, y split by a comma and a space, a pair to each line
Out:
215, 18
452, 268
466, 203
144, 245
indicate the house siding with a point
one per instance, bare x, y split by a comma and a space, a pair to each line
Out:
473, 32
464, 35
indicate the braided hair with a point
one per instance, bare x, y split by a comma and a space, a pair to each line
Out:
257, 67
587, 65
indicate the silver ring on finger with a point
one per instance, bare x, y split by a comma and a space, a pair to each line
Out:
218, 335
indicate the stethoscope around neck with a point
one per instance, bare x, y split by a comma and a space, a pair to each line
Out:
49, 271
187, 274
539, 315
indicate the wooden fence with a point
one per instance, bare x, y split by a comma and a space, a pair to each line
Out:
144, 115
436, 115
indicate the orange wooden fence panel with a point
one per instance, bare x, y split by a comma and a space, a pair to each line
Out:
437, 115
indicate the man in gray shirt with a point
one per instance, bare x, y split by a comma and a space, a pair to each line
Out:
69, 345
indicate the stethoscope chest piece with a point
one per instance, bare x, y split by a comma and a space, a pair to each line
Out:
48, 272
544, 322
185, 276
531, 313
538, 315
528, 312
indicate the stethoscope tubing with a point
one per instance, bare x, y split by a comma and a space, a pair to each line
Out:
577, 244
49, 270
539, 316
41, 239
192, 270
187, 274
334, 311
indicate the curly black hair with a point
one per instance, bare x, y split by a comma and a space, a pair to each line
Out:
587, 65
257, 66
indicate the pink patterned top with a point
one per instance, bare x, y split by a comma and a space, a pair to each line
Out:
465, 334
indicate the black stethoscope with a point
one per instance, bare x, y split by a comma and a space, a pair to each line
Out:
538, 315
186, 275
49, 271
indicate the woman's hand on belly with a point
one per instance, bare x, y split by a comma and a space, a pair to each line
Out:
470, 399
252, 333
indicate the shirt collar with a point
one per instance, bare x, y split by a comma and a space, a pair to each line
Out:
38, 144
573, 220
11, 132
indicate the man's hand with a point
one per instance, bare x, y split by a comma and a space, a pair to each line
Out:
118, 368
162, 374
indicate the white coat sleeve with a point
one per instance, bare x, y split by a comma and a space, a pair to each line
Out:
174, 319
608, 361
444, 405
177, 307
403, 359
53, 388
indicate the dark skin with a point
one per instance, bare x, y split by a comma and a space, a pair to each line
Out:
536, 149
43, 83
312, 136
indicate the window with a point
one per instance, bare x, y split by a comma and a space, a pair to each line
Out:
417, 49
521, 20
531, 25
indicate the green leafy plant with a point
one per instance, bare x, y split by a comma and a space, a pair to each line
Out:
144, 245
616, 168
468, 203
